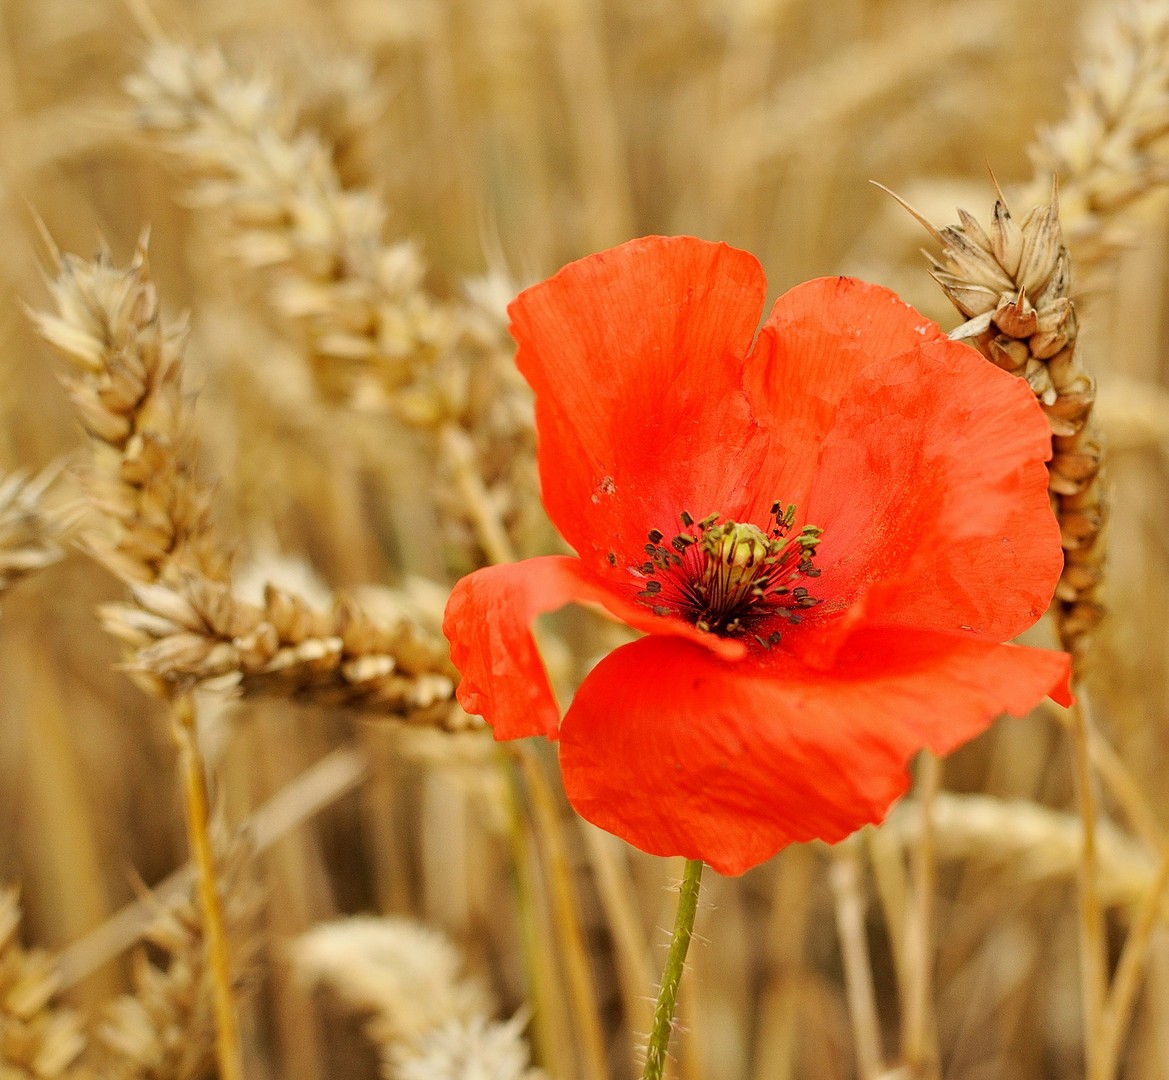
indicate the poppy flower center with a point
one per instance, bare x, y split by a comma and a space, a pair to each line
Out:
728, 576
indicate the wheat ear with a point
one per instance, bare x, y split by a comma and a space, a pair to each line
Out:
152, 527
1112, 147
426, 1019
165, 1029
39, 1040
152, 516
1012, 283
31, 530
197, 630
374, 336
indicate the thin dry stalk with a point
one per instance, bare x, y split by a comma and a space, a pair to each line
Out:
39, 1040
844, 876
608, 862
1126, 984
1112, 147
551, 1026
918, 1040
566, 915
227, 1047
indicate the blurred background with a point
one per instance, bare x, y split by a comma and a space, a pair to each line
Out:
507, 137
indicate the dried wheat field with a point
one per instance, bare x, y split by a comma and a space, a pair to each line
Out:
261, 412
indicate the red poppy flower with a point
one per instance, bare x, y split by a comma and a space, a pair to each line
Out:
825, 531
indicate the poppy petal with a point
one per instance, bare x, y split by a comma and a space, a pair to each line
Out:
951, 527
488, 622
635, 356
923, 463
683, 753
818, 338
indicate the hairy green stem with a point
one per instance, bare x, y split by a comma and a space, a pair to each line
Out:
659, 1040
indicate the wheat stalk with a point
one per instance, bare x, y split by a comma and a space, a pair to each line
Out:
152, 516
154, 530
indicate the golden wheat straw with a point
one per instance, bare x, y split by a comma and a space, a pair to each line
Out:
565, 914
228, 1053
39, 1039
844, 877
918, 1036
1130, 970
551, 1028
608, 863
891, 882
787, 932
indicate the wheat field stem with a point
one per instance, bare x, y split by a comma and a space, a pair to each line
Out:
565, 916
919, 1048
1130, 969
194, 773
844, 876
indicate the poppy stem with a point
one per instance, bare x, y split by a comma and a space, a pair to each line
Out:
659, 1040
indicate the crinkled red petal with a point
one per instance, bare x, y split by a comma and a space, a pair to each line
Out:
819, 336
488, 622
925, 468
682, 753
635, 356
